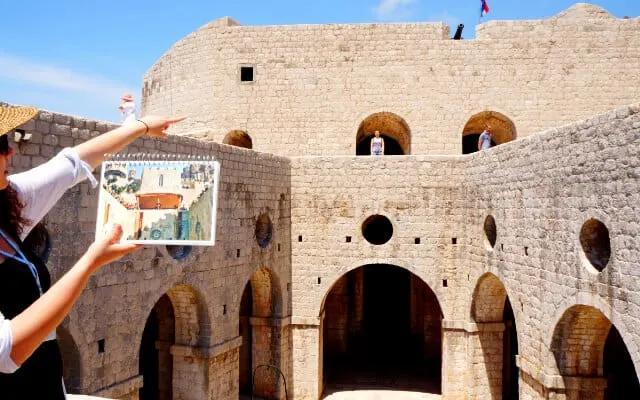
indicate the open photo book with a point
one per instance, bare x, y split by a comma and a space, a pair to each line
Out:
158, 201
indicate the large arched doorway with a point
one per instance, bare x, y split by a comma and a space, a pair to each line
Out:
393, 129
261, 336
503, 129
495, 342
178, 319
592, 357
156, 363
382, 329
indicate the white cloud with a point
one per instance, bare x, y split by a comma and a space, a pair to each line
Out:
19, 70
445, 17
393, 9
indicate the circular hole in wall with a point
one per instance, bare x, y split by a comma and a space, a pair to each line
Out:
377, 229
595, 242
179, 252
264, 230
490, 231
39, 242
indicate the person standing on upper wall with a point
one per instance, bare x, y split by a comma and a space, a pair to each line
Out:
127, 108
377, 145
484, 141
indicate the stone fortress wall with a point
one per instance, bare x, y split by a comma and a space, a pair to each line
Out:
544, 193
315, 84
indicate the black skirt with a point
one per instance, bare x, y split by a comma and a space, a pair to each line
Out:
40, 377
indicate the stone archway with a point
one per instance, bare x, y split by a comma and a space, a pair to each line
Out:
504, 130
238, 138
381, 328
393, 129
592, 357
261, 332
494, 344
173, 329
71, 361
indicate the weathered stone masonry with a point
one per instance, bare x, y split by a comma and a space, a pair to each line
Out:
498, 247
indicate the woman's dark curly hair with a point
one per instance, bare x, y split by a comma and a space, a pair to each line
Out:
12, 220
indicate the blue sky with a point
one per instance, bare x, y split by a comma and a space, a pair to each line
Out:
78, 57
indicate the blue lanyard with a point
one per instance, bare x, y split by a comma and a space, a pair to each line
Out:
19, 256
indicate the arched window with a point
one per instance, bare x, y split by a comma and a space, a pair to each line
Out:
393, 129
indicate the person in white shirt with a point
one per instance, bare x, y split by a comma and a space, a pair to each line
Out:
127, 109
377, 145
484, 141
30, 307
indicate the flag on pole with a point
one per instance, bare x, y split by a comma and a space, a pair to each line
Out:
484, 10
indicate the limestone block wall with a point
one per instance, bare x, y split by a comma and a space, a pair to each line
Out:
205, 287
540, 191
315, 84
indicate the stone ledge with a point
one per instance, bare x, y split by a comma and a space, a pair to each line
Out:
558, 382
308, 321
270, 321
472, 327
206, 352
120, 389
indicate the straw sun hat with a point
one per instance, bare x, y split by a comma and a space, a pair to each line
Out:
13, 117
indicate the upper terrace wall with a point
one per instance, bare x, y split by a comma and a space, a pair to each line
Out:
540, 190
315, 84
118, 299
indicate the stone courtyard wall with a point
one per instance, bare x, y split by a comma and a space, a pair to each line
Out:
540, 191
315, 84
205, 287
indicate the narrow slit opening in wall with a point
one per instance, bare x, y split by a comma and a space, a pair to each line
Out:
319, 280
224, 309
101, 346
288, 286
526, 251
300, 238
454, 240
348, 239
445, 283
278, 246
502, 246
416, 240
238, 253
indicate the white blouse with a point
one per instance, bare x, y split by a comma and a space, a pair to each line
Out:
40, 188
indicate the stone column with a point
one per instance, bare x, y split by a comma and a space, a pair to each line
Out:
206, 372
307, 357
267, 349
454, 360
485, 346
535, 384
165, 370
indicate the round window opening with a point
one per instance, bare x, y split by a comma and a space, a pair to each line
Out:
595, 242
264, 230
377, 229
490, 231
179, 252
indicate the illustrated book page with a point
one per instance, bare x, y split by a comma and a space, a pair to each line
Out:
159, 202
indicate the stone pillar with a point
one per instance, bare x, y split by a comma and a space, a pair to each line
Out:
307, 358
485, 346
454, 360
535, 384
190, 366
267, 349
165, 370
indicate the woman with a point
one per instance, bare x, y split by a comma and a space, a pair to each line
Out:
127, 108
377, 145
30, 311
